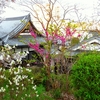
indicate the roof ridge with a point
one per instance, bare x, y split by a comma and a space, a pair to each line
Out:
16, 18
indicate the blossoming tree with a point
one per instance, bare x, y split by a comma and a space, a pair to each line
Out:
52, 26
52, 41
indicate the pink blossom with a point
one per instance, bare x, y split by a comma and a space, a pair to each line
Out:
83, 46
47, 34
47, 55
33, 34
79, 35
41, 51
37, 48
34, 46
69, 33
62, 38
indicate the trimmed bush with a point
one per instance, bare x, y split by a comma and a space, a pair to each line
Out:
85, 77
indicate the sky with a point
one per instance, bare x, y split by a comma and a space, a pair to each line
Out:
86, 5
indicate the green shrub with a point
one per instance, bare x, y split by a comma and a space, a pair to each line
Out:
85, 77
39, 75
59, 85
60, 81
56, 93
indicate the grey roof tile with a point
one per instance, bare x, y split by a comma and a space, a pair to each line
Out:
11, 26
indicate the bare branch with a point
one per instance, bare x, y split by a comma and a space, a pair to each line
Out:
45, 12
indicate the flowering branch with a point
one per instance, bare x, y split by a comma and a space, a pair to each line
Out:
10, 58
51, 39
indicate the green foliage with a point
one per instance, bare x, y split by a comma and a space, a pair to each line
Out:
74, 41
43, 95
72, 24
60, 84
35, 58
40, 80
39, 75
85, 77
40, 89
56, 93
52, 28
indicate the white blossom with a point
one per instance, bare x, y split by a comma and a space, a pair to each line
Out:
2, 89
37, 95
0, 69
12, 62
22, 84
16, 45
13, 46
24, 76
19, 67
10, 82
36, 91
28, 70
29, 95
27, 52
34, 87
25, 94
1, 57
2, 76
28, 65
7, 86
17, 88
8, 57
8, 47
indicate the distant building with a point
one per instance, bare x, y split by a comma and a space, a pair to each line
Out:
91, 43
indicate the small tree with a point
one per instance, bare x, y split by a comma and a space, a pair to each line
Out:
52, 40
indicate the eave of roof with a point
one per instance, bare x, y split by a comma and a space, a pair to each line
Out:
12, 27
24, 40
84, 42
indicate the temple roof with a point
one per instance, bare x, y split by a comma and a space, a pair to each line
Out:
12, 27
